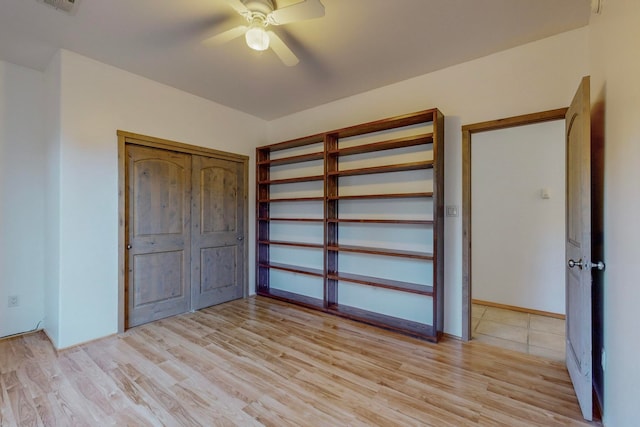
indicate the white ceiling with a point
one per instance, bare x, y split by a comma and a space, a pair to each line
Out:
359, 45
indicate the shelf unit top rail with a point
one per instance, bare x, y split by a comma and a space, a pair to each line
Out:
381, 251
391, 144
378, 282
294, 143
425, 116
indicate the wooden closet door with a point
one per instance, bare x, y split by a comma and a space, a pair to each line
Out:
158, 185
217, 232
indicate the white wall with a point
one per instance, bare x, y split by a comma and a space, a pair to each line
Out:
95, 101
538, 76
52, 199
615, 68
518, 237
22, 165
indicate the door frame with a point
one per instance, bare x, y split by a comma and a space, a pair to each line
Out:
467, 132
125, 138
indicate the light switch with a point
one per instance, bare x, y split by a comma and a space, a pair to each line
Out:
544, 193
452, 210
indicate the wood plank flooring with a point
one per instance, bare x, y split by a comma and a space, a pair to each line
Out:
261, 362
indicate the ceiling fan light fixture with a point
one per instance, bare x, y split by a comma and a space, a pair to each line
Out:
256, 36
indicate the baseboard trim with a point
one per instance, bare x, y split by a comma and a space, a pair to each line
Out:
19, 334
521, 309
71, 347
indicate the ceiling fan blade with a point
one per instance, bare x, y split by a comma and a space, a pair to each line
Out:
282, 50
306, 9
226, 36
238, 6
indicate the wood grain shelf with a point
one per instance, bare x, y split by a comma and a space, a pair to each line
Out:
294, 143
384, 283
292, 219
383, 196
298, 299
420, 330
297, 244
402, 167
295, 269
392, 144
293, 180
382, 221
293, 199
293, 159
380, 251
388, 123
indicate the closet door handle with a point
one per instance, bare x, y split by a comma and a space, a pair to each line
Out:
571, 263
240, 238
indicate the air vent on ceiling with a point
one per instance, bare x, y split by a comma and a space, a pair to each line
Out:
68, 6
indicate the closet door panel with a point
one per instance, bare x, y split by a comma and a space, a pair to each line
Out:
158, 185
218, 231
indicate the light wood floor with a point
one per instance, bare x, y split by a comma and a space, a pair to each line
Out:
260, 362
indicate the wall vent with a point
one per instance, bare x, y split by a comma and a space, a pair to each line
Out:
68, 6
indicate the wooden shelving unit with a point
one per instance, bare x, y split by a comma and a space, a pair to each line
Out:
380, 153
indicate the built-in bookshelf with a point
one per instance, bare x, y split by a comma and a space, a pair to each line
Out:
351, 222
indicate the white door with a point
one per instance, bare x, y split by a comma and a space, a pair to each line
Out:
578, 247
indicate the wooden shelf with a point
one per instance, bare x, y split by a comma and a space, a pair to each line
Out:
294, 143
382, 221
402, 167
392, 144
293, 180
416, 329
383, 196
302, 300
292, 219
383, 283
293, 159
428, 140
380, 251
295, 269
389, 123
292, 199
297, 244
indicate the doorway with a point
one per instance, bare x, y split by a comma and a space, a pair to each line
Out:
182, 228
467, 247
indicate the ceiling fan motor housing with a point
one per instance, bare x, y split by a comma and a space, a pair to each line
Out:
263, 7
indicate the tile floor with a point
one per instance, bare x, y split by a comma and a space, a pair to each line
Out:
528, 333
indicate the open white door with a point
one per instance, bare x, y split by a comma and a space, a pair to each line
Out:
578, 247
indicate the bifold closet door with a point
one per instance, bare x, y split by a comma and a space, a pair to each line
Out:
158, 230
217, 236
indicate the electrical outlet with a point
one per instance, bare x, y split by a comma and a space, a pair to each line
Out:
13, 301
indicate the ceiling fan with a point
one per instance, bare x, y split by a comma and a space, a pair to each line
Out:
262, 13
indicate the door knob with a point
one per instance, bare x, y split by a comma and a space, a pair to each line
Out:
129, 246
571, 263
240, 238
599, 265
